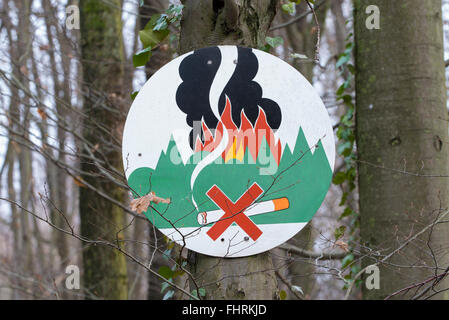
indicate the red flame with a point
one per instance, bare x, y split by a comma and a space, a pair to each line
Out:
247, 136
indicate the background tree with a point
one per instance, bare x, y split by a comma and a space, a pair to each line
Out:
301, 38
103, 75
208, 23
402, 141
159, 57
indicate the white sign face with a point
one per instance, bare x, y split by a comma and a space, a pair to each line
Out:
239, 141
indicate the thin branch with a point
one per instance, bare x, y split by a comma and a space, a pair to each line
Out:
297, 18
318, 33
101, 242
394, 252
314, 255
288, 284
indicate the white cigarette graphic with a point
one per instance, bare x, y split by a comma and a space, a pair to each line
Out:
255, 209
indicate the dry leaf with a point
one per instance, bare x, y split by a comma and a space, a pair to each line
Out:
44, 47
78, 181
24, 70
96, 147
343, 245
42, 113
141, 204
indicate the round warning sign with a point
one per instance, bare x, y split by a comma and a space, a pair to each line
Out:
238, 141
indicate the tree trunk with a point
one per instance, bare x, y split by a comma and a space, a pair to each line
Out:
245, 23
56, 177
11, 156
302, 39
102, 55
402, 124
159, 57
24, 156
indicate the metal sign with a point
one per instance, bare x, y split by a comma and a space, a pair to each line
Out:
240, 143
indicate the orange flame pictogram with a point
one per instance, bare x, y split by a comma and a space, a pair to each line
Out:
247, 137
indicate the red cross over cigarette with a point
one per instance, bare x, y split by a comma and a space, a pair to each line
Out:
239, 211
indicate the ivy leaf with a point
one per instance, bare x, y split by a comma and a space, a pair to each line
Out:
344, 197
339, 178
282, 295
178, 272
347, 99
141, 57
347, 83
355, 269
298, 56
168, 295
347, 212
201, 291
342, 60
166, 254
351, 174
289, 8
141, 3
164, 286
274, 42
340, 90
349, 47
265, 48
351, 68
150, 37
343, 146
134, 94
347, 152
165, 271
170, 244
347, 260
175, 11
161, 23
339, 232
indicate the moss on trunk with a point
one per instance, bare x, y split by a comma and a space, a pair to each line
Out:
102, 55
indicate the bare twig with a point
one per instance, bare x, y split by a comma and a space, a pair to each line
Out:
297, 18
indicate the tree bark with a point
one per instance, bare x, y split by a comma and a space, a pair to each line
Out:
11, 154
103, 58
402, 124
302, 39
245, 23
207, 23
159, 57
56, 177
25, 157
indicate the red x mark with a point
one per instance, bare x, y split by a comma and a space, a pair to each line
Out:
234, 211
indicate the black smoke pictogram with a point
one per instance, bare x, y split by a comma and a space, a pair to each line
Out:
198, 71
